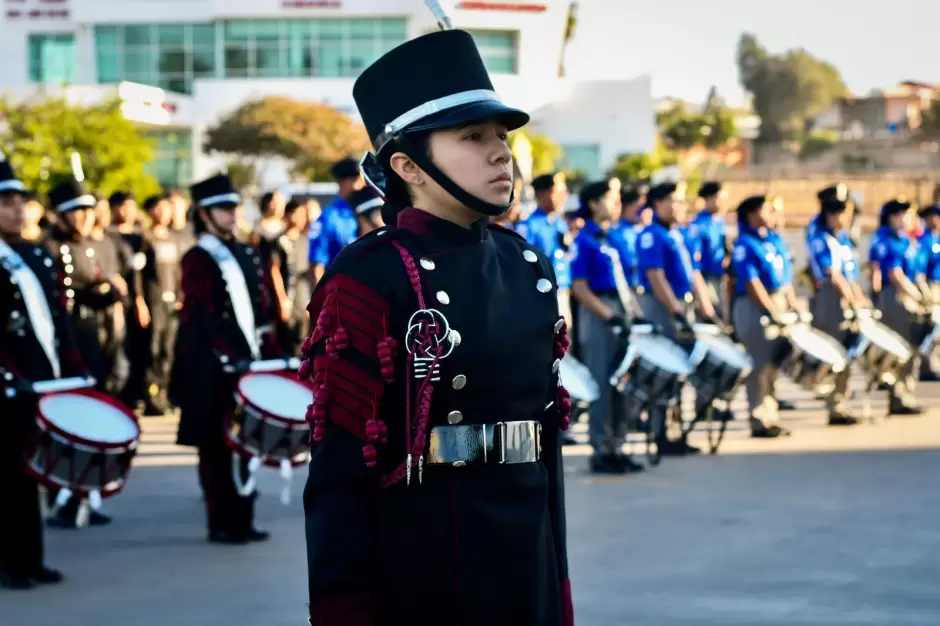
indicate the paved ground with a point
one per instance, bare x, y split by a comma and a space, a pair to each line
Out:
830, 527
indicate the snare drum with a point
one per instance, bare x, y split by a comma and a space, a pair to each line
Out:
577, 379
719, 366
817, 359
269, 421
652, 371
881, 351
86, 443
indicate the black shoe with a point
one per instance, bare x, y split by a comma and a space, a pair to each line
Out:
761, 431
18, 583
219, 536
258, 535
629, 465
60, 520
837, 418
98, 519
46, 576
606, 464
677, 448
785, 405
902, 411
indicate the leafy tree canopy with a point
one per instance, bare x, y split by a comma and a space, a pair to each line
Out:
38, 136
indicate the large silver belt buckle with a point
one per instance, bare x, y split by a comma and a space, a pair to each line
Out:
519, 442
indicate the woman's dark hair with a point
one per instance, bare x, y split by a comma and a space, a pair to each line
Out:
592, 191
397, 195
749, 206
266, 203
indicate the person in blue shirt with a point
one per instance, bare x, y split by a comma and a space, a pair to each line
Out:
836, 276
777, 227
762, 287
708, 230
627, 232
596, 271
337, 226
547, 230
929, 242
901, 298
670, 285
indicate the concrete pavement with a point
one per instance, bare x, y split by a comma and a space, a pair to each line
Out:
830, 527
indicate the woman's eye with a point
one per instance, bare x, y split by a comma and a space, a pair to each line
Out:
474, 136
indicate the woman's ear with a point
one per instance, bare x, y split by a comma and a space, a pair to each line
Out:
406, 169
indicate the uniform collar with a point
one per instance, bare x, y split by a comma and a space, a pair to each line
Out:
593, 228
747, 230
659, 222
539, 211
442, 233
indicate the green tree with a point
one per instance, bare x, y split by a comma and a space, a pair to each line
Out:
39, 136
638, 168
682, 129
788, 90
545, 153
311, 135
571, 25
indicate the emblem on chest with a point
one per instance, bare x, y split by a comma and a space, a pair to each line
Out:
429, 340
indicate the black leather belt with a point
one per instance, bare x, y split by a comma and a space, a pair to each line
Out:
479, 444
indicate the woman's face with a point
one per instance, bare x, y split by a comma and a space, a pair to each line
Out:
898, 222
224, 219
477, 158
103, 214
607, 207
33, 211
275, 208
12, 217
83, 220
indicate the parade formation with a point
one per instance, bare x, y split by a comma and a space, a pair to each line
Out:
420, 352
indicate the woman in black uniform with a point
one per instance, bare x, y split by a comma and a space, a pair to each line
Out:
435, 494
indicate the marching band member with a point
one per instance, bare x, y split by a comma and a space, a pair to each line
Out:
93, 286
633, 220
595, 259
930, 258
670, 284
777, 228
160, 279
337, 226
761, 288
901, 299
296, 247
708, 229
368, 209
36, 344
438, 447
836, 274
224, 319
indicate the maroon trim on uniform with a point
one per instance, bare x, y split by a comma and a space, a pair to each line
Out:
352, 294
416, 220
567, 606
195, 284
354, 394
355, 609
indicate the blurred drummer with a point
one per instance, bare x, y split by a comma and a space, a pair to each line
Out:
672, 288
777, 227
929, 243
224, 320
708, 229
594, 285
836, 274
761, 289
36, 344
901, 299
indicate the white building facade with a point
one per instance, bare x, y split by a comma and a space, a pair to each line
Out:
180, 65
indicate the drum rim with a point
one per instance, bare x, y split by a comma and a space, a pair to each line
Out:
885, 329
238, 446
47, 424
843, 352
81, 491
570, 361
240, 396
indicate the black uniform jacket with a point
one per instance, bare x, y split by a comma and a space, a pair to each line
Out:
473, 545
21, 354
208, 331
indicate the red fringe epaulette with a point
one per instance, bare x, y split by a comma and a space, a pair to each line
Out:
562, 397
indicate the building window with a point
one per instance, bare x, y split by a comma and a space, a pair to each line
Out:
583, 158
322, 48
170, 56
173, 163
51, 58
499, 49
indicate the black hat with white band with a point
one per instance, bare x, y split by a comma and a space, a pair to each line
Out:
364, 201
217, 192
71, 195
9, 183
433, 82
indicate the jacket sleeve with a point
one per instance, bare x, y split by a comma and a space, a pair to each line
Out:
342, 358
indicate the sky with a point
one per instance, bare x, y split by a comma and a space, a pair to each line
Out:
688, 45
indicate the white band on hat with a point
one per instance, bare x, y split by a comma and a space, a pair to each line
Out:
79, 202
224, 198
369, 205
11, 185
427, 109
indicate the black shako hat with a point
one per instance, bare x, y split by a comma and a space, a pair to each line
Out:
9, 183
435, 81
217, 192
364, 200
71, 195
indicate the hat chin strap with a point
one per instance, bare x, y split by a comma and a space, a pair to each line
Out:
459, 193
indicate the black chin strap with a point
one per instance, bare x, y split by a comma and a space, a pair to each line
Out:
468, 200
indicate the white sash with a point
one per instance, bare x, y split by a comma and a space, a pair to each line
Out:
237, 288
37, 308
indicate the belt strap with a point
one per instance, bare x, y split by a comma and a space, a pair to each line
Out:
502, 443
